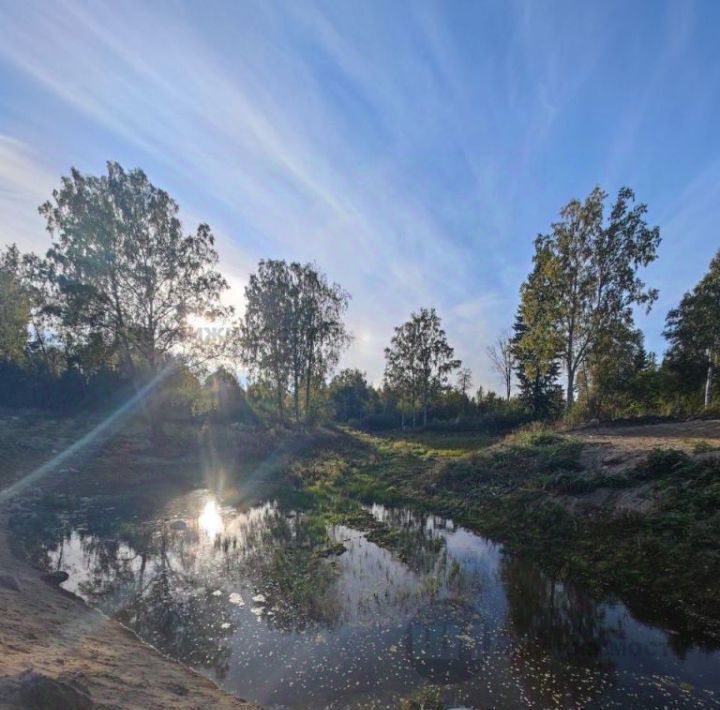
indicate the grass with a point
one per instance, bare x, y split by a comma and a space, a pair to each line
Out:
512, 491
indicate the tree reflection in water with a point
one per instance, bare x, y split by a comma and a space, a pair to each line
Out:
182, 589
561, 633
288, 611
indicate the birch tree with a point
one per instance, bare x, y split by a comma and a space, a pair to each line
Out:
125, 270
590, 267
292, 333
419, 361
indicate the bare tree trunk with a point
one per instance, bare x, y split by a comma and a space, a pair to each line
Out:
570, 394
298, 367
308, 380
307, 396
708, 381
280, 401
41, 340
296, 393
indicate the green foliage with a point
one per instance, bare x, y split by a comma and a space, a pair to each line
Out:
122, 287
693, 328
419, 362
227, 400
535, 357
585, 280
122, 270
14, 308
464, 381
292, 333
180, 396
661, 463
523, 458
619, 379
350, 395
380, 421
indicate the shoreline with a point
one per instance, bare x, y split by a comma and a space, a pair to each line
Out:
56, 634
57, 651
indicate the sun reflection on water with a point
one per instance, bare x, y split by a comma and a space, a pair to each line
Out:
210, 521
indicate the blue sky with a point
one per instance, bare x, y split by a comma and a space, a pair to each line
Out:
412, 149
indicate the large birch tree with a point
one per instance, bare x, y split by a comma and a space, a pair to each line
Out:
589, 265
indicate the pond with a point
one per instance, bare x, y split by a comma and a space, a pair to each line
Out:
284, 609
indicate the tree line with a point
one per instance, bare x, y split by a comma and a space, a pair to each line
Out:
122, 293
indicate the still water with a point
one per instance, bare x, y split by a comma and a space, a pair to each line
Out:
285, 610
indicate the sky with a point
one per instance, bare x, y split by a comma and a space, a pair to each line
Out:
413, 150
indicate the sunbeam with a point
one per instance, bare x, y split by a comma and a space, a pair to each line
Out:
87, 440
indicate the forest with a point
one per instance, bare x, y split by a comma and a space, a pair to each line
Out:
128, 297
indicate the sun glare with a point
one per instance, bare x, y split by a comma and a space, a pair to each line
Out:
210, 521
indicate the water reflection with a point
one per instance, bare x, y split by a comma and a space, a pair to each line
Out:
210, 521
288, 611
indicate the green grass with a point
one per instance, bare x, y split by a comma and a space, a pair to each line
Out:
509, 490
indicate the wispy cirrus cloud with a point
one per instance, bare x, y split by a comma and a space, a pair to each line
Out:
411, 150
24, 185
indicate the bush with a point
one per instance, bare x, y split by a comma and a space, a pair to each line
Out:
661, 463
534, 434
380, 422
33, 385
493, 423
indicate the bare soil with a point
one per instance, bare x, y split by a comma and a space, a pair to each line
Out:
666, 435
618, 447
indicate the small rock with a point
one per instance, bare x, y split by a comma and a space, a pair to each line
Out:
56, 577
178, 525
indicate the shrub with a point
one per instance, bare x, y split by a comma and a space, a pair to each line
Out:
661, 463
380, 422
